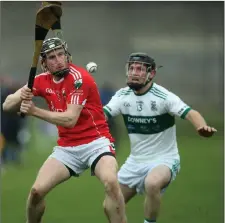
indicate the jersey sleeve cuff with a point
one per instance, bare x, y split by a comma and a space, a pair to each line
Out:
107, 112
185, 113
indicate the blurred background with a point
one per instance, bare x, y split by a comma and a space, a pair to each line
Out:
187, 38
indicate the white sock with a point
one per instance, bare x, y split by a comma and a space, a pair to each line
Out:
150, 221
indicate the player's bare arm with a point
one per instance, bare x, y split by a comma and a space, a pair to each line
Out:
66, 119
200, 124
13, 101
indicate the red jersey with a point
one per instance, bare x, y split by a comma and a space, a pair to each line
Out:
77, 87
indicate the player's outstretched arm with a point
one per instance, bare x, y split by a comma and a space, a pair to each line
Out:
112, 109
66, 119
200, 124
13, 101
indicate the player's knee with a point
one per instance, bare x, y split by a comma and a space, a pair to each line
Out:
112, 186
152, 186
35, 195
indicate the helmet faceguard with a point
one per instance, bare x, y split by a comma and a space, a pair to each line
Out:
138, 70
51, 45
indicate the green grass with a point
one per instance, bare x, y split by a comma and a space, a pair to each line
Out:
195, 196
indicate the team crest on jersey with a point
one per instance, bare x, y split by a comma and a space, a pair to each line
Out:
139, 105
63, 92
126, 104
153, 106
78, 83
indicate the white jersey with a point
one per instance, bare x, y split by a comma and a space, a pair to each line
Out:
150, 121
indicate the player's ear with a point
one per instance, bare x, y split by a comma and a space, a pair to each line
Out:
152, 73
69, 57
43, 65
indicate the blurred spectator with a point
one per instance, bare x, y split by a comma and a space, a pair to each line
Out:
106, 93
12, 132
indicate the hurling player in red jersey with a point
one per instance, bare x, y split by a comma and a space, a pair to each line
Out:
84, 138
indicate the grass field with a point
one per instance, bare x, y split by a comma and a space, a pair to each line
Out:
196, 195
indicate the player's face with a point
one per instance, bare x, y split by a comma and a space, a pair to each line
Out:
56, 60
136, 73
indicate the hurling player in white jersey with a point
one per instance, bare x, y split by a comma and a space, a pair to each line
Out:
149, 112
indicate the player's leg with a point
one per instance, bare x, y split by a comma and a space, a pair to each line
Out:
129, 179
128, 193
158, 178
114, 206
52, 173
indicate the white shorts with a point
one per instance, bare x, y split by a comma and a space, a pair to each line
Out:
79, 158
133, 174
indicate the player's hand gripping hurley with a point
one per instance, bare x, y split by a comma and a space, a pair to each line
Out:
47, 15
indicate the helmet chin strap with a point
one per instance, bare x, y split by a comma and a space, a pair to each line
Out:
136, 86
61, 73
